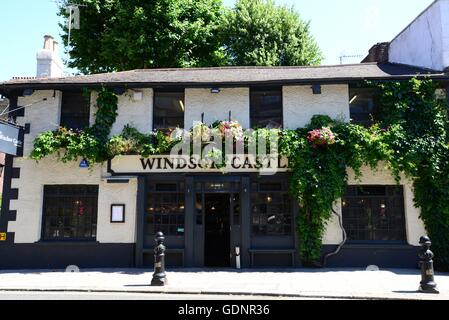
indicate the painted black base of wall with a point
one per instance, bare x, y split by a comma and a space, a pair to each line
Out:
51, 255
383, 256
59, 255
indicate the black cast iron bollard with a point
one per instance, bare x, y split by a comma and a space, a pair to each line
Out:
427, 284
159, 278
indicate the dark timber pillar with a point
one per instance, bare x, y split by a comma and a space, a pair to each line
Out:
140, 221
189, 221
246, 221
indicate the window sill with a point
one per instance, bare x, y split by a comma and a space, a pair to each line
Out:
67, 242
377, 245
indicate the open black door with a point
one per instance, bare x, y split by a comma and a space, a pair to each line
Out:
217, 237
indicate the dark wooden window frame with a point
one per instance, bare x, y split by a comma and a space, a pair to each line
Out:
251, 103
91, 197
282, 192
150, 218
80, 119
366, 93
165, 90
388, 197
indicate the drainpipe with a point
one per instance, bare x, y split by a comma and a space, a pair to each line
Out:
341, 244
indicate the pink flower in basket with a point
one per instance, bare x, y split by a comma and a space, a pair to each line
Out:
321, 137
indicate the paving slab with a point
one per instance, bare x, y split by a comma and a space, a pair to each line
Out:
330, 283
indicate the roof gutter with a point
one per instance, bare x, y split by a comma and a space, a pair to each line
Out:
6, 89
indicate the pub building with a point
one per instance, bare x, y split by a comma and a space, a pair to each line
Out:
57, 214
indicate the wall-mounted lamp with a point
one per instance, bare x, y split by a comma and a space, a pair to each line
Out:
119, 91
215, 90
84, 163
137, 95
28, 92
316, 88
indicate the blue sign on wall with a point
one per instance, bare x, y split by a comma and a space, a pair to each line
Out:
10, 142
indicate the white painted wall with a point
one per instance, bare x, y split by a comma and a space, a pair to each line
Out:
300, 104
137, 113
413, 224
49, 171
216, 106
44, 116
425, 42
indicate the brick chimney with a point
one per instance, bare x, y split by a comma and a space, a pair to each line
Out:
378, 53
49, 63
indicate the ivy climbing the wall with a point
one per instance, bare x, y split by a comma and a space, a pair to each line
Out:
418, 136
90, 144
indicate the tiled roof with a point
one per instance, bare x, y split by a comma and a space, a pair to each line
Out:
232, 76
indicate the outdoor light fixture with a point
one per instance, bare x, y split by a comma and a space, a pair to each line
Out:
215, 90
84, 163
138, 95
119, 91
316, 88
117, 213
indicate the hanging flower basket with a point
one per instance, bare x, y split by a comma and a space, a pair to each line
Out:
321, 137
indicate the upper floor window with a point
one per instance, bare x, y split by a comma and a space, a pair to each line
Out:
374, 213
363, 106
168, 111
70, 212
75, 110
266, 107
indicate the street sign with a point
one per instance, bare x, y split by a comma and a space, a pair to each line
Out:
10, 139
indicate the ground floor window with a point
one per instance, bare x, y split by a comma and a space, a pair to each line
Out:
271, 208
165, 208
70, 212
374, 213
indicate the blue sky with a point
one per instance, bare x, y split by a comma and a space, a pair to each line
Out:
341, 27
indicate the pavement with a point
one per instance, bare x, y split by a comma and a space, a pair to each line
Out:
287, 283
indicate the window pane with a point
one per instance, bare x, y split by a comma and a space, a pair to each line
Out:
271, 211
165, 209
363, 107
168, 111
371, 214
266, 108
75, 110
70, 212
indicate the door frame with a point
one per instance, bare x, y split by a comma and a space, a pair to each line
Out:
199, 248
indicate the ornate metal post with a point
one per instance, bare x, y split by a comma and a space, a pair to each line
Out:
427, 284
159, 278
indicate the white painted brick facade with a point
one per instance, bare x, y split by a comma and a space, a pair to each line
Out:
216, 106
299, 106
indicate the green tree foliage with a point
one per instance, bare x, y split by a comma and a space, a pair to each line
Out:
259, 33
117, 35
